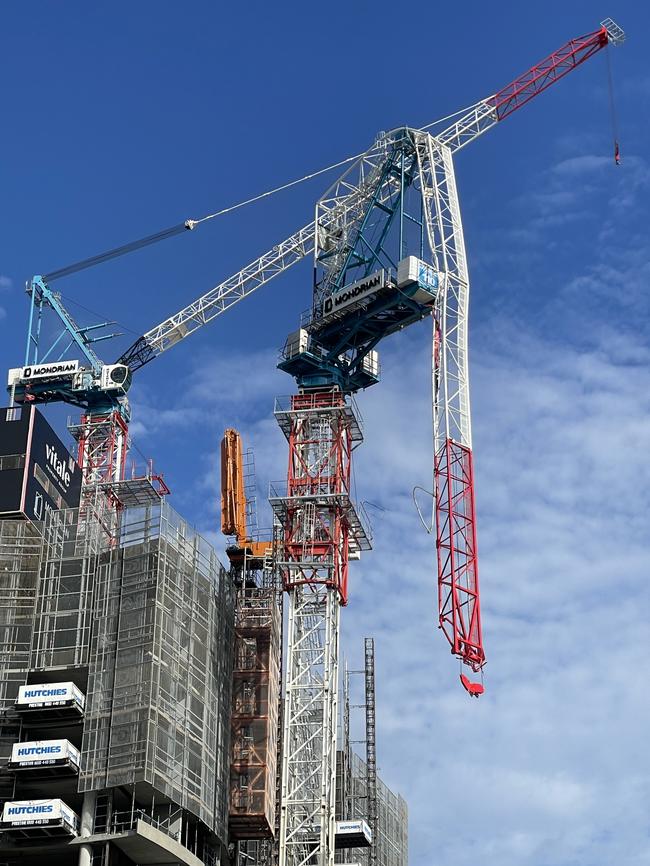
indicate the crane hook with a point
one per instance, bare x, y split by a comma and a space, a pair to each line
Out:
474, 689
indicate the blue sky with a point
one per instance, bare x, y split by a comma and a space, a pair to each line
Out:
123, 118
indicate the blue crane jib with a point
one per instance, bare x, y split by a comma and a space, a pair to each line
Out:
49, 374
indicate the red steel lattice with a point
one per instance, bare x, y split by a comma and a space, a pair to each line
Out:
458, 587
316, 527
547, 72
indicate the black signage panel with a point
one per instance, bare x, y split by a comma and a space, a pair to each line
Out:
14, 436
53, 476
49, 477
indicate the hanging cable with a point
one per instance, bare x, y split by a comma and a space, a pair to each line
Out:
612, 107
190, 224
452, 115
269, 192
428, 527
114, 253
72, 301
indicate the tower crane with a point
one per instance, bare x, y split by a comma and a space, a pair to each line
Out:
388, 248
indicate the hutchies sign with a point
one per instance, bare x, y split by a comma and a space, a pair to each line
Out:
49, 695
21, 813
43, 753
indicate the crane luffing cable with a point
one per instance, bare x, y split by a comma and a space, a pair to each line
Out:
612, 109
190, 224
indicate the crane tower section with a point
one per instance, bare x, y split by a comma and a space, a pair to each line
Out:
395, 259
321, 530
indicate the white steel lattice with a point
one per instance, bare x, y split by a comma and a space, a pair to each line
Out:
453, 477
319, 524
307, 823
342, 210
447, 248
343, 205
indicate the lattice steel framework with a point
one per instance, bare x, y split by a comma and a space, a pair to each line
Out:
320, 529
457, 554
102, 445
392, 818
412, 170
371, 743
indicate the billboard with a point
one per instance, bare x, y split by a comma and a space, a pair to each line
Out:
350, 297
22, 813
48, 371
37, 472
43, 753
35, 696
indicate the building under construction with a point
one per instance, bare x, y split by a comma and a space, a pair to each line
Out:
140, 681
390, 836
116, 678
152, 712
361, 795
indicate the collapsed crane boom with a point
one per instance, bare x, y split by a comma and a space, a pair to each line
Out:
360, 240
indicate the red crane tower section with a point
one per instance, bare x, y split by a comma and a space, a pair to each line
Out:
321, 525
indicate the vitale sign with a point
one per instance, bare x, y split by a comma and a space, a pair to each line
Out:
37, 472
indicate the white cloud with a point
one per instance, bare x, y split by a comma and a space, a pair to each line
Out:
547, 767
5, 285
537, 771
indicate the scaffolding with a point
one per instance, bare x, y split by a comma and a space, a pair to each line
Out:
371, 746
159, 685
20, 551
360, 793
391, 835
136, 608
254, 719
71, 558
